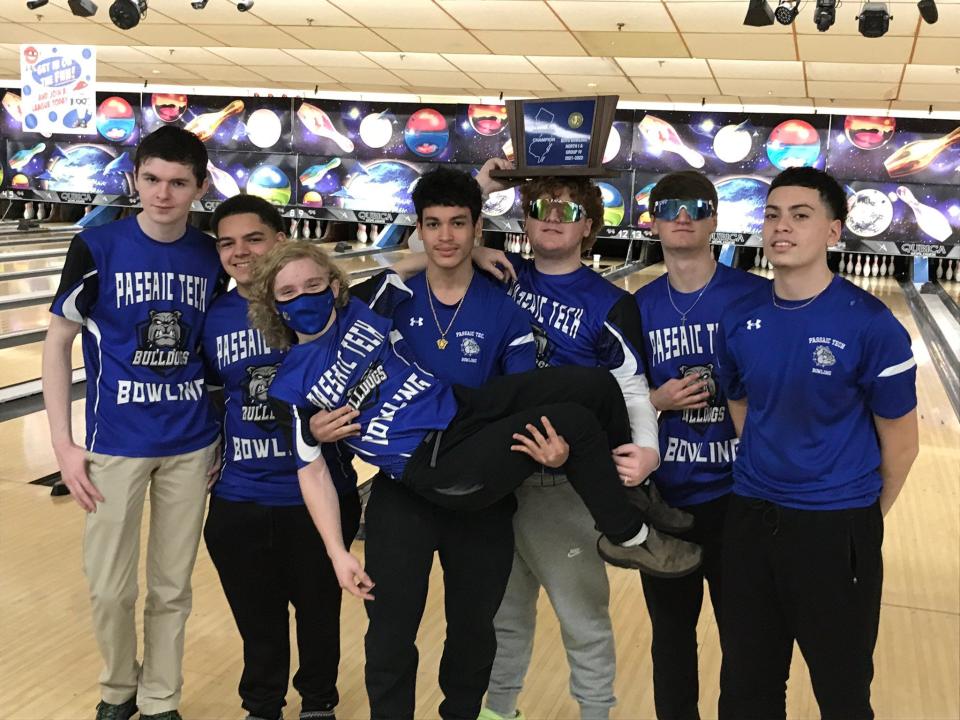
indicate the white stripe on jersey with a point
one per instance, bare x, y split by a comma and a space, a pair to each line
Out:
307, 453
69, 306
392, 279
522, 340
636, 394
897, 369
95, 331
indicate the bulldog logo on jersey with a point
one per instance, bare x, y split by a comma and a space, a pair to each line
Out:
162, 341
366, 393
256, 408
716, 410
823, 358
544, 346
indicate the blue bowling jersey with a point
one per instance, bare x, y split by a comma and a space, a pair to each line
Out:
142, 305
490, 335
362, 361
258, 463
814, 375
697, 447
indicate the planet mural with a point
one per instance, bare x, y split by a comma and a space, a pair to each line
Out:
742, 201
20, 181
499, 203
376, 129
869, 213
613, 207
732, 143
264, 128
793, 143
270, 183
487, 119
313, 198
169, 107
382, 185
426, 133
869, 132
87, 168
613, 145
115, 119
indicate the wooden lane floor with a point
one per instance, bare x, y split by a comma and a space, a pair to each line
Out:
50, 661
42, 249
37, 290
21, 363
31, 268
27, 239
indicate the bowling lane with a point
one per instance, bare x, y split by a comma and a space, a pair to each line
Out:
16, 321
37, 266
21, 363
31, 238
636, 280
40, 288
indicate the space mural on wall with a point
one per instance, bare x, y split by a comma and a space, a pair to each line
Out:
351, 160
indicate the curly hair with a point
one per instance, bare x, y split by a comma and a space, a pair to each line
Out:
263, 313
581, 190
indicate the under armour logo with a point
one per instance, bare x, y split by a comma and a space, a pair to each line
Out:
754, 324
418, 321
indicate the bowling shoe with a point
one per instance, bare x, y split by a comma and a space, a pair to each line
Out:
165, 715
488, 714
659, 555
123, 711
655, 511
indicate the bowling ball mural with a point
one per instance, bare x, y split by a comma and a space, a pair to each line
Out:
115, 119
742, 201
487, 120
313, 198
264, 128
20, 182
869, 132
382, 185
613, 207
426, 133
733, 143
500, 202
169, 107
869, 212
270, 183
793, 143
376, 129
88, 168
642, 198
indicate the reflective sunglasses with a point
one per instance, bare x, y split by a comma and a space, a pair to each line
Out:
567, 211
670, 209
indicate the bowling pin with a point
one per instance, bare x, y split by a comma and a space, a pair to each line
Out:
28, 212
205, 126
858, 267
374, 233
843, 263
661, 137
756, 258
526, 246
295, 230
950, 268
876, 266
883, 267
318, 122
929, 219
41, 212
361, 233
939, 269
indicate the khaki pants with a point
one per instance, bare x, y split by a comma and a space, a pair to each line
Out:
111, 555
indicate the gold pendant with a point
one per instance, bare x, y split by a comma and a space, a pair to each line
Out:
442, 343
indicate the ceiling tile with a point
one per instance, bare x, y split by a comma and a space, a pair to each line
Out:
259, 36
14, 33
161, 36
410, 61
576, 65
185, 55
359, 76
635, 98
333, 58
632, 44
768, 69
357, 39
705, 99
93, 34
932, 74
854, 71
16, 11
301, 74
684, 86
930, 93
519, 42
296, 12
591, 85
121, 54
513, 81
840, 48
606, 16
922, 107
437, 41
418, 14
766, 100
492, 63
719, 17
435, 78
226, 72
490, 14
217, 12
167, 71
937, 51
255, 56
741, 47
747, 86
673, 67
842, 91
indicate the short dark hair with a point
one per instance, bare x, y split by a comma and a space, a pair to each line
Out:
243, 204
177, 145
832, 195
443, 186
683, 185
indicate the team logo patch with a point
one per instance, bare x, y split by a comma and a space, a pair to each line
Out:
162, 342
469, 347
256, 408
823, 356
544, 346
705, 374
366, 393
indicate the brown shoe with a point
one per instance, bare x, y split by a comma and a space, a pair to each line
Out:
659, 555
655, 511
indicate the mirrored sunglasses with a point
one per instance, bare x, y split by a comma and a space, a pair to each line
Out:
567, 211
670, 209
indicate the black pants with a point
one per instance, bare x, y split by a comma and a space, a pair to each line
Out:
473, 455
674, 607
476, 552
268, 558
810, 576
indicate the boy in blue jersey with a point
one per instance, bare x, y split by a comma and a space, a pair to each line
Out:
259, 533
681, 312
580, 319
821, 384
461, 326
139, 290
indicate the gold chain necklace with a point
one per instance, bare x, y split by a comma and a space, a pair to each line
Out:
442, 340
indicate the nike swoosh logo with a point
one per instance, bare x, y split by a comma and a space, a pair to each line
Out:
573, 552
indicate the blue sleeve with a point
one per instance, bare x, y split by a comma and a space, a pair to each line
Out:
518, 352
382, 293
888, 369
621, 339
728, 371
294, 424
79, 283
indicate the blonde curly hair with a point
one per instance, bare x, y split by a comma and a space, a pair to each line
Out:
582, 191
263, 313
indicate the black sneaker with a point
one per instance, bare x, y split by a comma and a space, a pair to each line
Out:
659, 555
655, 511
318, 714
123, 711
165, 715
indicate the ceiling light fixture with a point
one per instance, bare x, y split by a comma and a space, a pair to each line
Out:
825, 14
759, 14
36, 4
928, 11
82, 8
787, 11
874, 19
244, 5
199, 4
126, 14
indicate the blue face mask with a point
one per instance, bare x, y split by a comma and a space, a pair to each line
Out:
307, 313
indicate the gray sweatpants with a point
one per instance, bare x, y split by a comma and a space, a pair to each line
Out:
556, 548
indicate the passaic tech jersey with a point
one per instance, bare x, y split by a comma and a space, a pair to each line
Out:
142, 305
